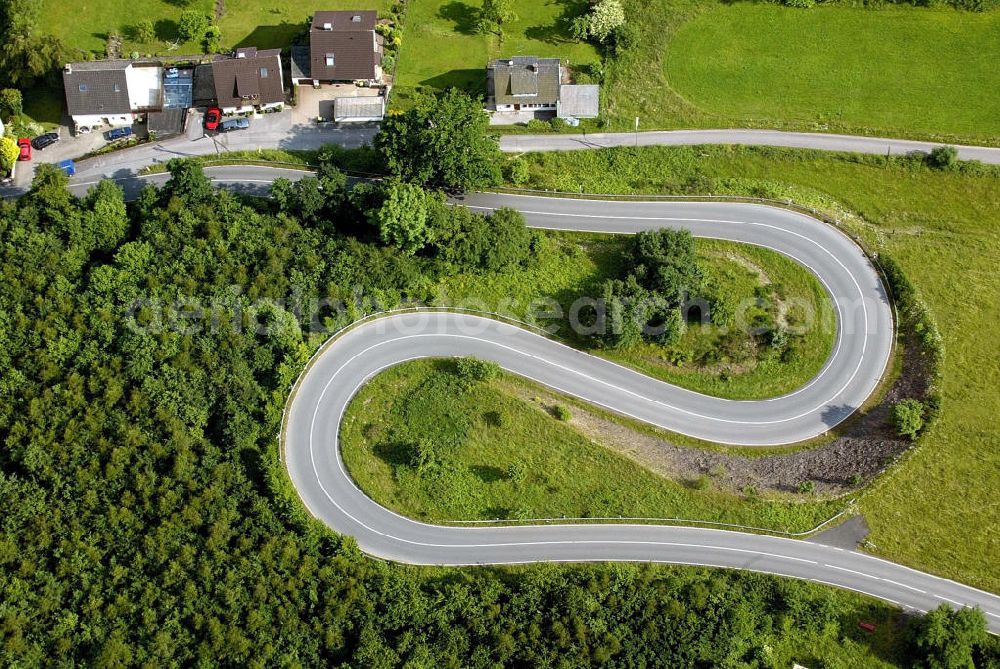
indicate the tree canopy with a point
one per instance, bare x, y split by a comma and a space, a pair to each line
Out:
442, 142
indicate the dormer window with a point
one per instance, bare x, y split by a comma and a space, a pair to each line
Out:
263, 73
356, 18
83, 88
329, 60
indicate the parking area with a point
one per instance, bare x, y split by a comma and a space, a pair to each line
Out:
315, 104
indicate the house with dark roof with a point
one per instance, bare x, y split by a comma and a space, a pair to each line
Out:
245, 81
114, 92
523, 83
343, 47
528, 84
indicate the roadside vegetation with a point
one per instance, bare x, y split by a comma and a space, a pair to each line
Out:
754, 358
429, 442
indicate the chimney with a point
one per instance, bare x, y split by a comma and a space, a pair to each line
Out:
69, 68
327, 26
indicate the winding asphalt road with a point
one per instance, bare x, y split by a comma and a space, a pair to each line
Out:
315, 411
861, 352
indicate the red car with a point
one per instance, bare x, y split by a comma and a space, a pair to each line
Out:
24, 144
212, 118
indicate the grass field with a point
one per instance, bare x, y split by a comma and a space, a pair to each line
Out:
899, 70
575, 265
441, 48
502, 455
262, 24
937, 510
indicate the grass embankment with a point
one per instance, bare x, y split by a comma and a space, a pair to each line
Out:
441, 48
768, 287
266, 25
937, 510
841, 67
500, 451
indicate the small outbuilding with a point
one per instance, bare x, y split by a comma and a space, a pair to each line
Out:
358, 109
579, 101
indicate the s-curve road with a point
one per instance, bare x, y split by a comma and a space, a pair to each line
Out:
861, 352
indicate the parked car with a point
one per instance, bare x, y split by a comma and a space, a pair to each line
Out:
42, 141
235, 124
24, 144
117, 133
212, 118
68, 167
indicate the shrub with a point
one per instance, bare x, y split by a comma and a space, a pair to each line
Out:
807, 487
516, 472
474, 370
424, 456
11, 103
908, 417
561, 412
212, 40
943, 158
192, 25
605, 18
144, 31
557, 123
518, 173
701, 483
538, 124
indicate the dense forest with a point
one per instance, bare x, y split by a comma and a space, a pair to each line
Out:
146, 350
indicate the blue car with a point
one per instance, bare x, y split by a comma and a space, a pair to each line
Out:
67, 167
235, 124
117, 133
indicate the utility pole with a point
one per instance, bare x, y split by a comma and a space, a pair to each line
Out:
637, 131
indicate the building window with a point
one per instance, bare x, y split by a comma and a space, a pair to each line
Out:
329, 60
263, 73
118, 88
83, 88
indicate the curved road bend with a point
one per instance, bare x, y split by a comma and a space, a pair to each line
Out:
865, 333
313, 458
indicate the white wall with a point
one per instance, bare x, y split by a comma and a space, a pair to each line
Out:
92, 120
145, 86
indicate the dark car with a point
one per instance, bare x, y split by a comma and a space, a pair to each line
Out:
235, 124
117, 133
24, 144
48, 139
212, 118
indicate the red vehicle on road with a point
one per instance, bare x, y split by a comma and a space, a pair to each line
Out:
24, 144
212, 118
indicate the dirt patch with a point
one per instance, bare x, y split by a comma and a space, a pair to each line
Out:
860, 449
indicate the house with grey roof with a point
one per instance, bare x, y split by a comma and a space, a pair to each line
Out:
343, 47
114, 92
523, 83
528, 84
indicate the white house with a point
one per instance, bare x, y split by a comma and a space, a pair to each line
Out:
113, 92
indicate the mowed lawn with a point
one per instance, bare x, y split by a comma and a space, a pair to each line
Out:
85, 25
441, 48
938, 509
895, 70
